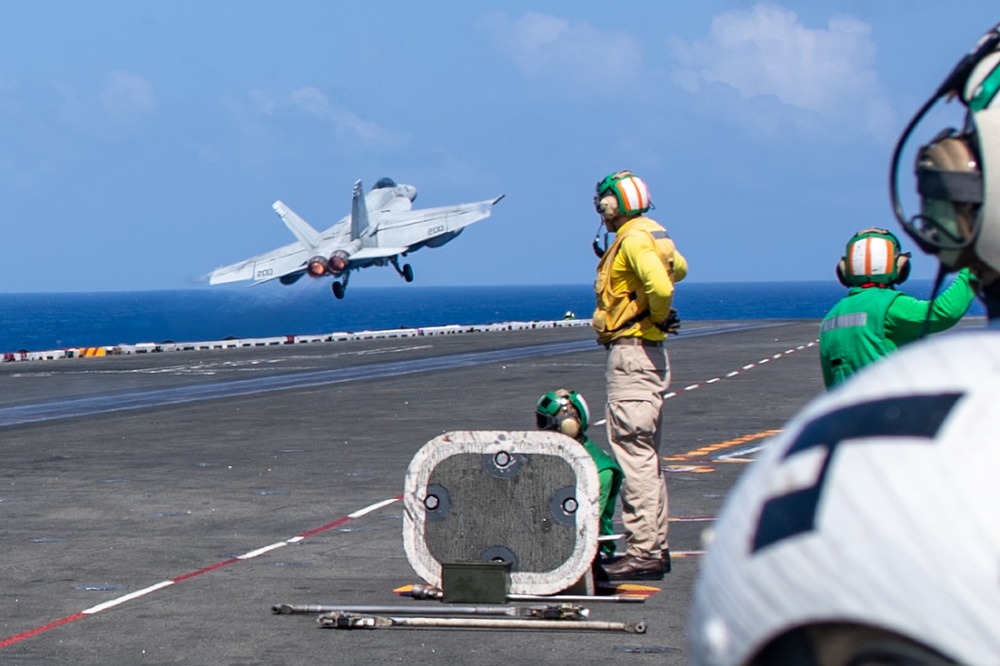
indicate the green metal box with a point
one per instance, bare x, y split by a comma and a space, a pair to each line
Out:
479, 582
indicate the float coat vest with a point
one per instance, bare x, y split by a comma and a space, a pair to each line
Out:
618, 313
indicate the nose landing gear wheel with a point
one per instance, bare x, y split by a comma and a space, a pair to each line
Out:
338, 289
407, 272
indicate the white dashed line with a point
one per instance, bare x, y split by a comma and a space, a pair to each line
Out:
748, 366
193, 574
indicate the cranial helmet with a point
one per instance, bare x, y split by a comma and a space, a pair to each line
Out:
622, 193
862, 535
873, 256
563, 411
958, 172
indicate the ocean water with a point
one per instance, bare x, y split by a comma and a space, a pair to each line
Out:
37, 322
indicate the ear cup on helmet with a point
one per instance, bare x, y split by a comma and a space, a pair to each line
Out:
842, 272
607, 206
903, 267
569, 425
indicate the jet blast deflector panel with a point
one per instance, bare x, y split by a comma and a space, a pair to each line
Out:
531, 499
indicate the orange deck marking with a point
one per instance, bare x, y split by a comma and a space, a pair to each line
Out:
707, 451
629, 590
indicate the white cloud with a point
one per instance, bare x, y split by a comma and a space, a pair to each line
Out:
122, 104
311, 100
766, 50
549, 47
316, 103
127, 94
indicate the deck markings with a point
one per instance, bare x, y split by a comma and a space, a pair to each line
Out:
710, 452
741, 455
690, 469
734, 373
628, 589
330, 377
93, 610
13, 415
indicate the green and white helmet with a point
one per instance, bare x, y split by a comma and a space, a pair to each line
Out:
631, 195
873, 256
562, 411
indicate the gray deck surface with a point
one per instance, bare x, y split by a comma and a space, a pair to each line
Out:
163, 476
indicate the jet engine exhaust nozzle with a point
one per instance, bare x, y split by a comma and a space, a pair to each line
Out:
317, 267
337, 263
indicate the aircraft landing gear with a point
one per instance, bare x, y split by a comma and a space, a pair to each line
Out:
406, 271
340, 286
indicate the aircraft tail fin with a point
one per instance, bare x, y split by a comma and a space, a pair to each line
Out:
308, 236
359, 214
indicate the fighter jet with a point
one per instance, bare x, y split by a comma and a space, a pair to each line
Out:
380, 229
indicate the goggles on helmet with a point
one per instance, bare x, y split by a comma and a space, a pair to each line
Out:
545, 411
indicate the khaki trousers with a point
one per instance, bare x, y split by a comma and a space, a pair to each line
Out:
637, 379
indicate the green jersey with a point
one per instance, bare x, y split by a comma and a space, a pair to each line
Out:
610, 476
871, 322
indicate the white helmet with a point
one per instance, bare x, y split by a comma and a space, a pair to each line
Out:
868, 532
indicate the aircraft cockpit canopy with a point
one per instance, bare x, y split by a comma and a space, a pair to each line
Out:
384, 183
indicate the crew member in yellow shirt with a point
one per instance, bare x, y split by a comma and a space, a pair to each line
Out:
634, 288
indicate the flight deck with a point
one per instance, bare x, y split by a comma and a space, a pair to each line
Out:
156, 506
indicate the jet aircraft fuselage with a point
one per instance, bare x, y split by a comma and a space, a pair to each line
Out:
381, 227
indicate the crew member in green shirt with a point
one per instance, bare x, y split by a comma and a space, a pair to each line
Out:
874, 318
567, 412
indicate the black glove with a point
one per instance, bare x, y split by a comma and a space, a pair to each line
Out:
672, 324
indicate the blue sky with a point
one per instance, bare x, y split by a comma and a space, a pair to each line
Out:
142, 143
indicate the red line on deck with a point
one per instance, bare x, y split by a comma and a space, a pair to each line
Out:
16, 638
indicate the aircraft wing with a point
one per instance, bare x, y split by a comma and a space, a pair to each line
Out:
269, 266
416, 227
